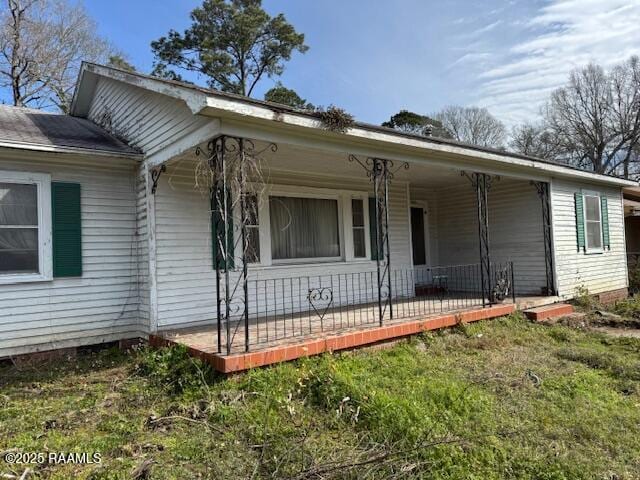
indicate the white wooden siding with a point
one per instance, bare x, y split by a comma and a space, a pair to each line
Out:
102, 305
185, 275
147, 120
515, 229
597, 272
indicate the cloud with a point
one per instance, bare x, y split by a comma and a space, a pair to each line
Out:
471, 57
562, 35
486, 28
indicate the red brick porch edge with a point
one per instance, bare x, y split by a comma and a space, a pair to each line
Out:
335, 342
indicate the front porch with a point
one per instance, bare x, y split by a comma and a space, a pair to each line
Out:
296, 250
293, 317
311, 337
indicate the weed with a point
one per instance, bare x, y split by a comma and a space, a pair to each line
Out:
173, 369
583, 299
505, 399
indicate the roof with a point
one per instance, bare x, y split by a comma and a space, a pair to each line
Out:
200, 99
40, 130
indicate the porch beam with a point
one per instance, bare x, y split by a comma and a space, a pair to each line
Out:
413, 157
184, 144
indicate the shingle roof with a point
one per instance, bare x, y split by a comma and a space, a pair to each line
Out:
32, 127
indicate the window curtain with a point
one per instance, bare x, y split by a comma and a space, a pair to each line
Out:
18, 228
303, 228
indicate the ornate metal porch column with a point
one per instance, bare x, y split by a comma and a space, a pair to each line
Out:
381, 171
226, 169
482, 184
542, 189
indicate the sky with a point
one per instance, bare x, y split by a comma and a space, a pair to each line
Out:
374, 58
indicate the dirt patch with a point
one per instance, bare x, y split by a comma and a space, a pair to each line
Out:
600, 321
619, 332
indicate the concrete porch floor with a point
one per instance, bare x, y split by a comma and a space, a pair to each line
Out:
303, 334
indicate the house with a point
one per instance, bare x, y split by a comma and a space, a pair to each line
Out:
165, 210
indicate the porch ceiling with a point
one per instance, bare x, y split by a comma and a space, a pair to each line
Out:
308, 161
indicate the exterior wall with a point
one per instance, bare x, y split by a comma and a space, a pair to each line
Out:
148, 120
100, 306
515, 229
597, 272
185, 274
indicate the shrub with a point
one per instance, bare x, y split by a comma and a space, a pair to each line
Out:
629, 307
584, 299
173, 369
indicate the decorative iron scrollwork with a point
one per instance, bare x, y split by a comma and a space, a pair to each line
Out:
485, 178
481, 182
377, 167
227, 163
155, 176
321, 300
380, 172
502, 285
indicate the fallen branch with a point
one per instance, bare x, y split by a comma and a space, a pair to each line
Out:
186, 419
322, 470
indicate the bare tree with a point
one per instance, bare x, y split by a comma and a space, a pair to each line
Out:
19, 53
535, 140
473, 125
42, 44
596, 118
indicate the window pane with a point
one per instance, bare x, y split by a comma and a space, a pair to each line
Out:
359, 249
593, 208
303, 228
18, 204
253, 245
594, 235
18, 250
357, 212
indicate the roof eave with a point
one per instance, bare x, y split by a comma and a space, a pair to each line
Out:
223, 107
70, 150
219, 104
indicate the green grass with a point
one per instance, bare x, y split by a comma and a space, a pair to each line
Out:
491, 400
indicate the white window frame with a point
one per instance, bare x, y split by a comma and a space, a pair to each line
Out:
365, 226
45, 255
588, 248
238, 221
345, 224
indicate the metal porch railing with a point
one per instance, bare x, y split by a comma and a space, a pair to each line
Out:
288, 307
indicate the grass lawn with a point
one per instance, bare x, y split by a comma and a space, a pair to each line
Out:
495, 399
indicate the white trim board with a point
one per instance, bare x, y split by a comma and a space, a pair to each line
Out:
45, 254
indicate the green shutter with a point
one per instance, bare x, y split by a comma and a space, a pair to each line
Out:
217, 233
373, 225
605, 222
66, 229
580, 220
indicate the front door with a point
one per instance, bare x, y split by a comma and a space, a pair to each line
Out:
417, 236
